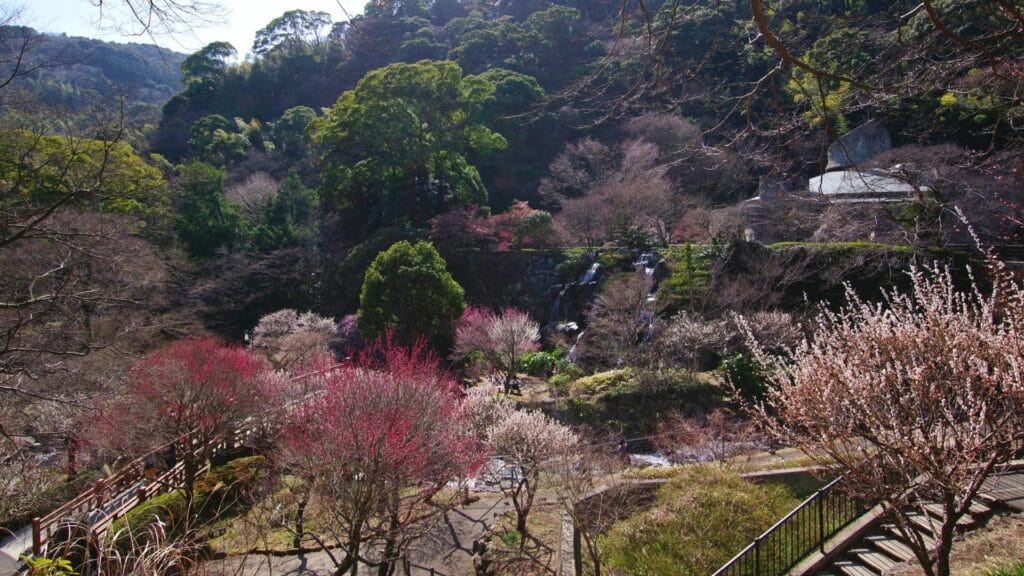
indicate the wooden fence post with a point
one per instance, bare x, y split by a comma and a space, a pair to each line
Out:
37, 537
98, 489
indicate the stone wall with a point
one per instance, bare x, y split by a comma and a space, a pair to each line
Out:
524, 279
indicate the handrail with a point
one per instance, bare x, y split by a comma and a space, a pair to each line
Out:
798, 533
133, 472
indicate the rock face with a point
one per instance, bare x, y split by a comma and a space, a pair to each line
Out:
859, 145
525, 279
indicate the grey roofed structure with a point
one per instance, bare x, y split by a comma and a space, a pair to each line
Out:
857, 186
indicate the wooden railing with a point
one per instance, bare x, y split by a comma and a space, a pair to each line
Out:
799, 533
98, 507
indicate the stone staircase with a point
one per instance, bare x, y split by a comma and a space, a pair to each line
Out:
876, 545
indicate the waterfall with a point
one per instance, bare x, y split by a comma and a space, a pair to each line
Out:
588, 276
573, 354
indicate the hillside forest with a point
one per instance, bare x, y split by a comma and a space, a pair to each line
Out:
602, 220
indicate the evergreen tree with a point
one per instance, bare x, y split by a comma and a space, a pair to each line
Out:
408, 291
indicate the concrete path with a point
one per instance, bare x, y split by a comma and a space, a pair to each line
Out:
447, 549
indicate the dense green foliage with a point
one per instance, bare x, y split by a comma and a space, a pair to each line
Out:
409, 293
42, 169
70, 69
286, 218
205, 220
395, 148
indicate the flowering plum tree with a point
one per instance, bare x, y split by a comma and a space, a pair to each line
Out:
920, 398
290, 339
530, 442
189, 393
502, 338
386, 434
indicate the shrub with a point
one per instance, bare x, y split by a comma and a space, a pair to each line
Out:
566, 366
700, 519
560, 382
745, 374
678, 383
688, 281
695, 342
541, 363
216, 493
573, 266
600, 382
615, 259
170, 510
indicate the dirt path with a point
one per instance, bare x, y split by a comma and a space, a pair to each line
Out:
447, 548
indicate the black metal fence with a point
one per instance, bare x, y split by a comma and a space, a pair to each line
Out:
800, 532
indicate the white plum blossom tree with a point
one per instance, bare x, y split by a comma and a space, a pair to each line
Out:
921, 397
529, 441
290, 339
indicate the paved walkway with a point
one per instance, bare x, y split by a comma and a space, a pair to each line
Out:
447, 548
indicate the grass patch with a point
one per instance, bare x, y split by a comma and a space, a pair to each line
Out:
511, 555
700, 519
845, 247
800, 485
630, 400
1017, 570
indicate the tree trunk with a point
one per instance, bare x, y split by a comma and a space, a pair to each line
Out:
944, 539
72, 449
391, 542
523, 510
300, 515
592, 550
354, 536
350, 562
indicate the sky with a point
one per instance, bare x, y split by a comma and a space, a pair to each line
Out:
238, 25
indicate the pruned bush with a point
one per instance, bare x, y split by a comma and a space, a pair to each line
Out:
560, 382
600, 382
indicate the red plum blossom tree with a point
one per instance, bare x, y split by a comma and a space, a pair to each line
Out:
385, 436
